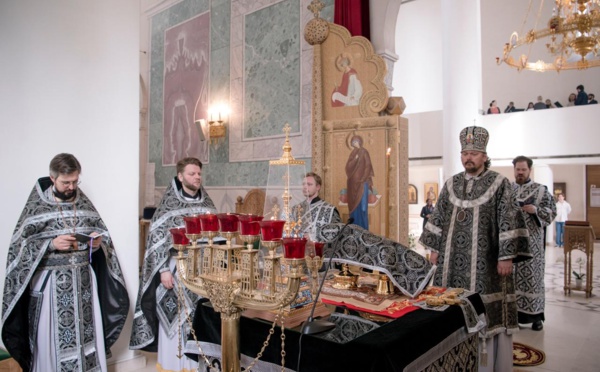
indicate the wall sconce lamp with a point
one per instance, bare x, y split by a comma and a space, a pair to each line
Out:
216, 122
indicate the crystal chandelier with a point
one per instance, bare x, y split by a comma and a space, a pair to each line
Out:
572, 38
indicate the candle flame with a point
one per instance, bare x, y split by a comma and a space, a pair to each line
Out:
388, 152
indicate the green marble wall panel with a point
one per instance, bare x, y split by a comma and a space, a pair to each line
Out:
272, 69
240, 161
220, 15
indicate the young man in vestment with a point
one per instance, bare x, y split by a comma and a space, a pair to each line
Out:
475, 235
314, 211
538, 210
65, 301
157, 326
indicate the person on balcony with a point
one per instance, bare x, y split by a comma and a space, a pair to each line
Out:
494, 109
582, 97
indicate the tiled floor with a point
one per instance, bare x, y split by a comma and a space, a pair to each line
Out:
571, 334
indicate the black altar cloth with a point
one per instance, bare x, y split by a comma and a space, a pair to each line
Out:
389, 346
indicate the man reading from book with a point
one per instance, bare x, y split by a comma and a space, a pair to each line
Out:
65, 301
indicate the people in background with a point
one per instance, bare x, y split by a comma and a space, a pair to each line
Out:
65, 301
493, 109
563, 209
157, 324
475, 234
549, 104
538, 210
592, 99
426, 212
572, 98
510, 107
582, 97
530, 107
540, 105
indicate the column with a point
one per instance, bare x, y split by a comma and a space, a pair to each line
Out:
542, 173
383, 16
461, 59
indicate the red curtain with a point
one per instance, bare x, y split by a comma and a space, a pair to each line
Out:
354, 15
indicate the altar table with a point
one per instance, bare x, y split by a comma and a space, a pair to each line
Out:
422, 340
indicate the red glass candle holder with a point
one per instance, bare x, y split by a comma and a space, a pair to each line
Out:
294, 247
319, 249
271, 229
229, 222
209, 222
179, 237
249, 224
192, 224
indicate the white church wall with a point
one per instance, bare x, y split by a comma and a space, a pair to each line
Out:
69, 75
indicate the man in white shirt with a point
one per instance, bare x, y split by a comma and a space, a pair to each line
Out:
562, 213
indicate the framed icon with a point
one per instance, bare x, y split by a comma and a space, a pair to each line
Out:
431, 192
560, 188
413, 194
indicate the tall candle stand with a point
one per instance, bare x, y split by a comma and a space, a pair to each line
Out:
232, 286
229, 276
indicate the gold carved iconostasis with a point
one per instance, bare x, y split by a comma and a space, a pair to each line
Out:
353, 120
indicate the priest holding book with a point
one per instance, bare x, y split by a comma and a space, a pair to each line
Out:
65, 301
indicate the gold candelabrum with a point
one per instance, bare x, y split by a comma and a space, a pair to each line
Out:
232, 276
229, 276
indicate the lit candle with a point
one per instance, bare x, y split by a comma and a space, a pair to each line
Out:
228, 222
192, 224
249, 224
209, 222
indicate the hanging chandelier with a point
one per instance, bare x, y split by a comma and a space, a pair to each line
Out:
572, 38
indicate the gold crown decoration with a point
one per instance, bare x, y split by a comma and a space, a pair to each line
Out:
474, 139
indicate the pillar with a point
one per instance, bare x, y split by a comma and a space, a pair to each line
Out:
461, 60
542, 173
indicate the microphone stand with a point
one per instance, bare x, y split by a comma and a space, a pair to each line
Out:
311, 325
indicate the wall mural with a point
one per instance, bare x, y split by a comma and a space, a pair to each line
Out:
186, 83
232, 55
349, 92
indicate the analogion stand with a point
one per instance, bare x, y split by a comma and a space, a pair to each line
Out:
579, 235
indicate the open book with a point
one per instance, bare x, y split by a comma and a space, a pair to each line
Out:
84, 238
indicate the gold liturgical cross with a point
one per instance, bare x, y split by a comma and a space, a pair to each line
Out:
275, 210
